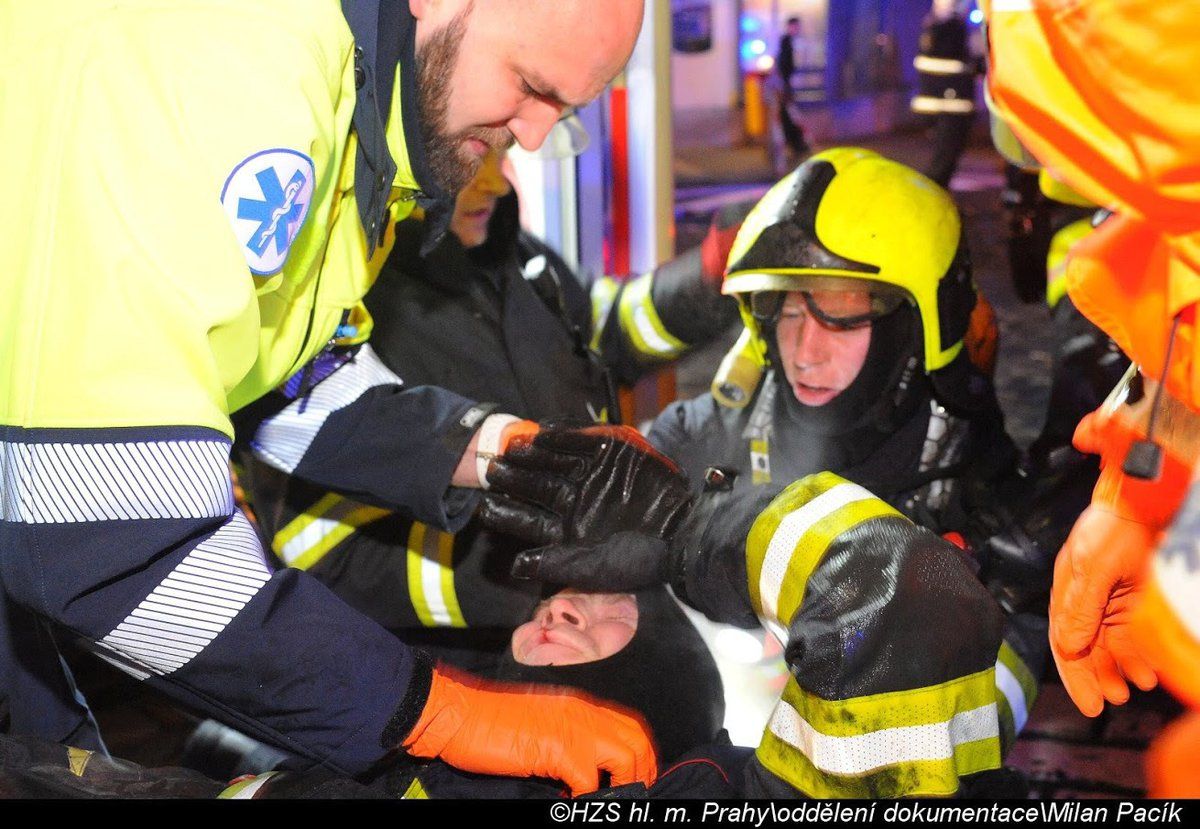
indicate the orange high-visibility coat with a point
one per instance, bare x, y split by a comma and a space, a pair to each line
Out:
1104, 93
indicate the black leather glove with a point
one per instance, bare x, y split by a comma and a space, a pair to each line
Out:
704, 559
581, 485
622, 563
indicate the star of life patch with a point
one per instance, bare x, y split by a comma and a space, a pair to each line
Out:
266, 198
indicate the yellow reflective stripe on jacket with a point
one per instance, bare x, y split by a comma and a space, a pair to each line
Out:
603, 294
641, 323
324, 525
431, 577
1017, 690
1056, 258
788, 539
245, 788
415, 791
899, 744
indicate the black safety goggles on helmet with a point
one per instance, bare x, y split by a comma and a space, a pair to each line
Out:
767, 307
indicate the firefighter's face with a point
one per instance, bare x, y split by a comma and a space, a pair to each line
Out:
497, 71
821, 361
571, 628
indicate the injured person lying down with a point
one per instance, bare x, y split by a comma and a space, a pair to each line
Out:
637, 650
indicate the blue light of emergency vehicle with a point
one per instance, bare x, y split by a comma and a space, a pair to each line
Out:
748, 51
976, 16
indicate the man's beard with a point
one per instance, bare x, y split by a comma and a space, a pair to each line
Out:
451, 165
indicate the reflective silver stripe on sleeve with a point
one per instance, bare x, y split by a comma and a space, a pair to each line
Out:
787, 536
283, 440
193, 604
862, 753
1008, 684
61, 483
930, 104
641, 323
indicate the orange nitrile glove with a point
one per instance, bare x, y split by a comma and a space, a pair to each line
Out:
521, 431
495, 434
531, 731
1098, 573
1097, 582
1173, 761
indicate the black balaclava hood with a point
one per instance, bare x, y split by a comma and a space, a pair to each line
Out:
665, 673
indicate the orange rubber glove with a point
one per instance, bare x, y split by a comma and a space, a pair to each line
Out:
1173, 761
1098, 573
491, 441
523, 430
531, 731
1097, 582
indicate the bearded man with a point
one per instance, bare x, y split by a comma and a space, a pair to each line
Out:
201, 194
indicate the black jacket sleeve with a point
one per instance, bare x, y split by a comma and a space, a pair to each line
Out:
643, 322
362, 433
890, 639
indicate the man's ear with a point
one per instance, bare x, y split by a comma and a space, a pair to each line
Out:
420, 8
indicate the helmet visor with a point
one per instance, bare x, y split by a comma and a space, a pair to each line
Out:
842, 307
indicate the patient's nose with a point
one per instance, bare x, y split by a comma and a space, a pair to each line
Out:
563, 610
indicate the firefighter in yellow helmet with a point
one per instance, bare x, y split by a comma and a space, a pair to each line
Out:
856, 294
856, 290
852, 379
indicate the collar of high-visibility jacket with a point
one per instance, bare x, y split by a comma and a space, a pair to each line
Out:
405, 141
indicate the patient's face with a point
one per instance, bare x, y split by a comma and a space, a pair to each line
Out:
571, 628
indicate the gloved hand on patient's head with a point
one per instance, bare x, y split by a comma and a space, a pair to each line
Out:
711, 535
579, 485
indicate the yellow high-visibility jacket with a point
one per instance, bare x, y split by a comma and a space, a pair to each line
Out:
178, 235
